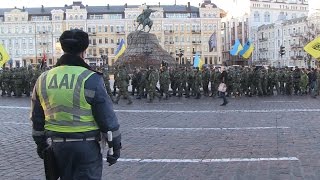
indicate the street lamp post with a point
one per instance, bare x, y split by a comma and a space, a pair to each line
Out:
180, 54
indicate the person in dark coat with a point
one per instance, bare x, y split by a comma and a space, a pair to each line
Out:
223, 79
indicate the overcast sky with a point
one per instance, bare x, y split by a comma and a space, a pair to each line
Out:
236, 9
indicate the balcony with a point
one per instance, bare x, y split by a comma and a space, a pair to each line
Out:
298, 57
263, 49
293, 58
168, 31
196, 42
121, 32
294, 45
296, 34
196, 31
263, 59
168, 42
263, 39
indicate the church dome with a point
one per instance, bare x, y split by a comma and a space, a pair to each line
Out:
208, 2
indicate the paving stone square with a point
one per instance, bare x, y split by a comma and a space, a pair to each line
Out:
251, 138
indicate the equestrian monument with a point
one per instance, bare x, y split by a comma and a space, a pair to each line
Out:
143, 48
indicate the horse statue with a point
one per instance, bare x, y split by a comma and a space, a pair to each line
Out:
144, 19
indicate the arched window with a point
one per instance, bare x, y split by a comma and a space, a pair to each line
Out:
76, 17
294, 15
267, 17
281, 16
70, 17
256, 16
81, 17
129, 16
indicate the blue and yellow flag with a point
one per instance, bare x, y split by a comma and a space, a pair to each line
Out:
313, 48
121, 48
197, 61
4, 56
247, 50
237, 47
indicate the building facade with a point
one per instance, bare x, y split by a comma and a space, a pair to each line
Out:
232, 29
293, 35
29, 34
266, 15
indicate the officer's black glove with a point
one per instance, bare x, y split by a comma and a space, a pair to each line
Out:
40, 149
112, 159
116, 145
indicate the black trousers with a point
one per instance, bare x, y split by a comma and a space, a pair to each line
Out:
78, 160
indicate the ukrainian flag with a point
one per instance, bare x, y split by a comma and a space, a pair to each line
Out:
313, 48
247, 50
237, 47
121, 48
4, 56
197, 61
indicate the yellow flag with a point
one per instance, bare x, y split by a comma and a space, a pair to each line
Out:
4, 56
201, 63
313, 48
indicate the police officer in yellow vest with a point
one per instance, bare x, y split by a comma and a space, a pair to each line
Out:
70, 106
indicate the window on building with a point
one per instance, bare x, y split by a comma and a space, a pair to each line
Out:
111, 41
105, 28
267, 17
99, 28
70, 17
181, 27
111, 28
256, 16
106, 40
112, 50
81, 16
100, 41
76, 17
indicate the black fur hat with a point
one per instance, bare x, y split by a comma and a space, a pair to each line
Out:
74, 41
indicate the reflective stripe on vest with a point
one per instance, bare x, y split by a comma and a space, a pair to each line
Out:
62, 96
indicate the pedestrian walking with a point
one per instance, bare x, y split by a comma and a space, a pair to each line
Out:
223, 86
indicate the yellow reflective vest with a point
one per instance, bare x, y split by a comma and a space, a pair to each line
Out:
62, 96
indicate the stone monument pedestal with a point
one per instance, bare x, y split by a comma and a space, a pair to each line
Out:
143, 50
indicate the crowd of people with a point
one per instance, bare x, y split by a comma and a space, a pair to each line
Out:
182, 81
18, 81
194, 82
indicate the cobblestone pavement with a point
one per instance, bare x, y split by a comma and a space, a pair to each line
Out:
250, 138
